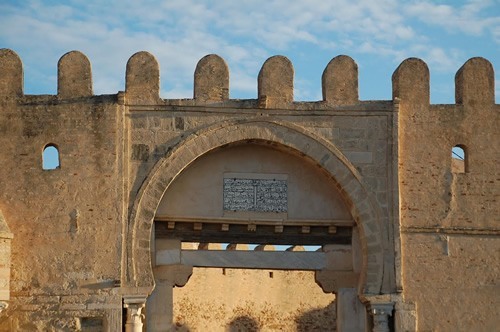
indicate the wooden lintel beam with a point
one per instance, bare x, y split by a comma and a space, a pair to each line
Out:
291, 235
256, 221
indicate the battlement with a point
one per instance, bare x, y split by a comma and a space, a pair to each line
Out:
474, 81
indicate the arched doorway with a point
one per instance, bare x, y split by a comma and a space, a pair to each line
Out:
236, 202
284, 137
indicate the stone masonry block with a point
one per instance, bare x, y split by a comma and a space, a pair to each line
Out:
359, 157
140, 152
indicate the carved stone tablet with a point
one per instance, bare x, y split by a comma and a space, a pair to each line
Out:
256, 192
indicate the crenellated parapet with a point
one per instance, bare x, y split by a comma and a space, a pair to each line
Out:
211, 79
375, 183
142, 79
340, 81
74, 76
11, 74
410, 81
449, 148
275, 83
475, 83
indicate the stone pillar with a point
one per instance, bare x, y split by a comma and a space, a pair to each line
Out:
159, 310
134, 305
351, 313
381, 313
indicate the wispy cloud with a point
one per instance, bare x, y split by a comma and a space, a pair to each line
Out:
473, 18
244, 32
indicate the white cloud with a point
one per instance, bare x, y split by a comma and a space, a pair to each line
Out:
473, 18
243, 32
496, 34
441, 59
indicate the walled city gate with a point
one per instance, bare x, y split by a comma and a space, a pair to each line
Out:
255, 187
266, 171
372, 182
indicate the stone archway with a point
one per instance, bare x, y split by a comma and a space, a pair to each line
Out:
139, 276
266, 234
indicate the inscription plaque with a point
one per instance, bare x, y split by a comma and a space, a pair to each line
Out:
256, 194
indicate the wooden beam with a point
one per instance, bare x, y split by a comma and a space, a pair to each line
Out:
263, 234
257, 221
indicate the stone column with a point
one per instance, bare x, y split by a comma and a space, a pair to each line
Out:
381, 313
160, 303
159, 309
134, 305
351, 313
160, 306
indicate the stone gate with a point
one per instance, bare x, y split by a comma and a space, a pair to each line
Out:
101, 240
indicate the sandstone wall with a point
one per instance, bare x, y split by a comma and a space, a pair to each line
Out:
253, 300
450, 243
66, 250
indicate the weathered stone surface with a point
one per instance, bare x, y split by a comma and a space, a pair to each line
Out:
275, 83
74, 76
410, 82
475, 83
5, 261
351, 313
211, 79
142, 79
340, 81
11, 74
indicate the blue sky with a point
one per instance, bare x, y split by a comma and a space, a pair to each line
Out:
378, 35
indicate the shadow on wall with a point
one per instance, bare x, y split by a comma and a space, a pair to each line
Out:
323, 319
243, 324
181, 328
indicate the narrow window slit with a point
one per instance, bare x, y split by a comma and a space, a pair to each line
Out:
458, 159
50, 157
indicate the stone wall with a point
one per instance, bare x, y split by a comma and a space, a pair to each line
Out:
66, 250
449, 218
252, 300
